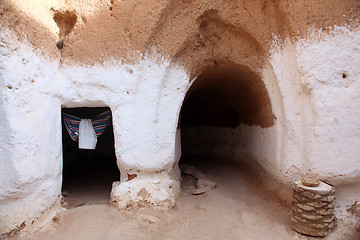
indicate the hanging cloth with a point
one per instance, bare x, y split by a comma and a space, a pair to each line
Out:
87, 136
72, 125
99, 123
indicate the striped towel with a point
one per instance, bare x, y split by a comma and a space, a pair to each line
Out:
72, 125
100, 123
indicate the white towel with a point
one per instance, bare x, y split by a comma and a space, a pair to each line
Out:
87, 136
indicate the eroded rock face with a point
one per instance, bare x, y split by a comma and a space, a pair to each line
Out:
287, 71
313, 208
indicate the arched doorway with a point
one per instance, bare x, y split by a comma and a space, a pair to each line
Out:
226, 123
88, 173
230, 140
223, 104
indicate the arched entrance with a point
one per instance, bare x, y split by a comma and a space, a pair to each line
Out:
223, 113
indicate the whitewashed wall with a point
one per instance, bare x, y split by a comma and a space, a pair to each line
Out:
145, 100
316, 131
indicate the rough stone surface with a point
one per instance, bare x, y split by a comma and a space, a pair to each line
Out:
310, 182
290, 70
313, 215
203, 184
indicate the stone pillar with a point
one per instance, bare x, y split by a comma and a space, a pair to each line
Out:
313, 208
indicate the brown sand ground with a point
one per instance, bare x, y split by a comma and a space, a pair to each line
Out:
238, 208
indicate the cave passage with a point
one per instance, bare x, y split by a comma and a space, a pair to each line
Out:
219, 101
88, 174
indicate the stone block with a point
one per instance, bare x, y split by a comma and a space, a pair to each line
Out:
313, 209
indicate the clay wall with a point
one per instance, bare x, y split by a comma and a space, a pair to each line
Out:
290, 69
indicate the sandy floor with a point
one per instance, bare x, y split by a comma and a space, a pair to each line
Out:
238, 208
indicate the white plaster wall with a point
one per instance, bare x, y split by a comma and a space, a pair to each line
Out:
30, 179
321, 124
316, 131
335, 135
292, 117
320, 131
243, 143
145, 100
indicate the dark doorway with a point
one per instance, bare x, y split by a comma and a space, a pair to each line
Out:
220, 119
88, 174
219, 101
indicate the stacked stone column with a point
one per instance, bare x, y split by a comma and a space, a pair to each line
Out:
313, 208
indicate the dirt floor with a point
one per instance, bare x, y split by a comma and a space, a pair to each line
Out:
238, 208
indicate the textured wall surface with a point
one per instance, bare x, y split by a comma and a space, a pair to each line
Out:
295, 67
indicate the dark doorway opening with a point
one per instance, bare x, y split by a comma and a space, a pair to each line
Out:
88, 174
223, 101
219, 101
204, 109
223, 119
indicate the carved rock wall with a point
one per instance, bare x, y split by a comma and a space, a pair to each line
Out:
299, 63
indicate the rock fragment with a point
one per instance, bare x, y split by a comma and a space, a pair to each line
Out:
203, 183
149, 218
